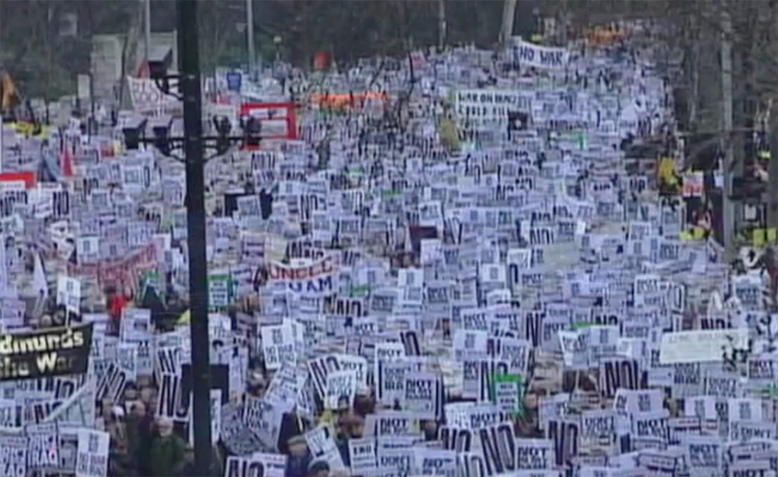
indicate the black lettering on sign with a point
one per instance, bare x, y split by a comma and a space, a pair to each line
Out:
531, 458
493, 347
437, 295
678, 297
604, 319
514, 275
328, 304
61, 203
565, 437
687, 373
488, 370
620, 374
111, 385
703, 455
167, 361
44, 384
498, 446
320, 368
714, 324
393, 425
652, 428
256, 469
169, 400
475, 466
760, 369
349, 307
532, 326
64, 388
42, 410
303, 249
750, 472
410, 341
722, 409
242, 467
460, 440
721, 387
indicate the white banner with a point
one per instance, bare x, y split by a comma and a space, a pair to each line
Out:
490, 107
146, 97
541, 57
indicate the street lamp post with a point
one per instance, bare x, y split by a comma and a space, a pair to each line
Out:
189, 88
194, 144
250, 36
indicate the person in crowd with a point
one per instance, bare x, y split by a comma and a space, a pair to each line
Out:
115, 426
189, 469
526, 425
148, 394
350, 426
298, 457
256, 384
767, 263
167, 451
130, 393
703, 218
319, 468
138, 429
115, 304
189, 462
46, 321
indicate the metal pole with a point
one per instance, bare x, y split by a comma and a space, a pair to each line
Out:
441, 24
189, 67
727, 146
745, 109
250, 35
93, 127
147, 32
563, 17
772, 169
508, 15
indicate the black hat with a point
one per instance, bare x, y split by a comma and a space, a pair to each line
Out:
318, 466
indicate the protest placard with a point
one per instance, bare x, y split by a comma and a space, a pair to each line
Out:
92, 453
51, 352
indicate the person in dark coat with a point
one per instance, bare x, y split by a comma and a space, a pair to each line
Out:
145, 432
167, 451
299, 457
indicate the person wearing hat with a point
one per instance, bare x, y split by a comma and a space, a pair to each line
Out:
319, 468
299, 457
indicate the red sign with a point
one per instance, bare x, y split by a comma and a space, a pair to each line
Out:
28, 177
278, 120
321, 60
122, 271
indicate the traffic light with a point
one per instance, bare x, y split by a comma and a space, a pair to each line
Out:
251, 131
133, 130
223, 128
161, 130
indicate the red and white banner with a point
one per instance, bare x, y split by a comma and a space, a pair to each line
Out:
316, 278
123, 272
278, 120
11, 181
693, 184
